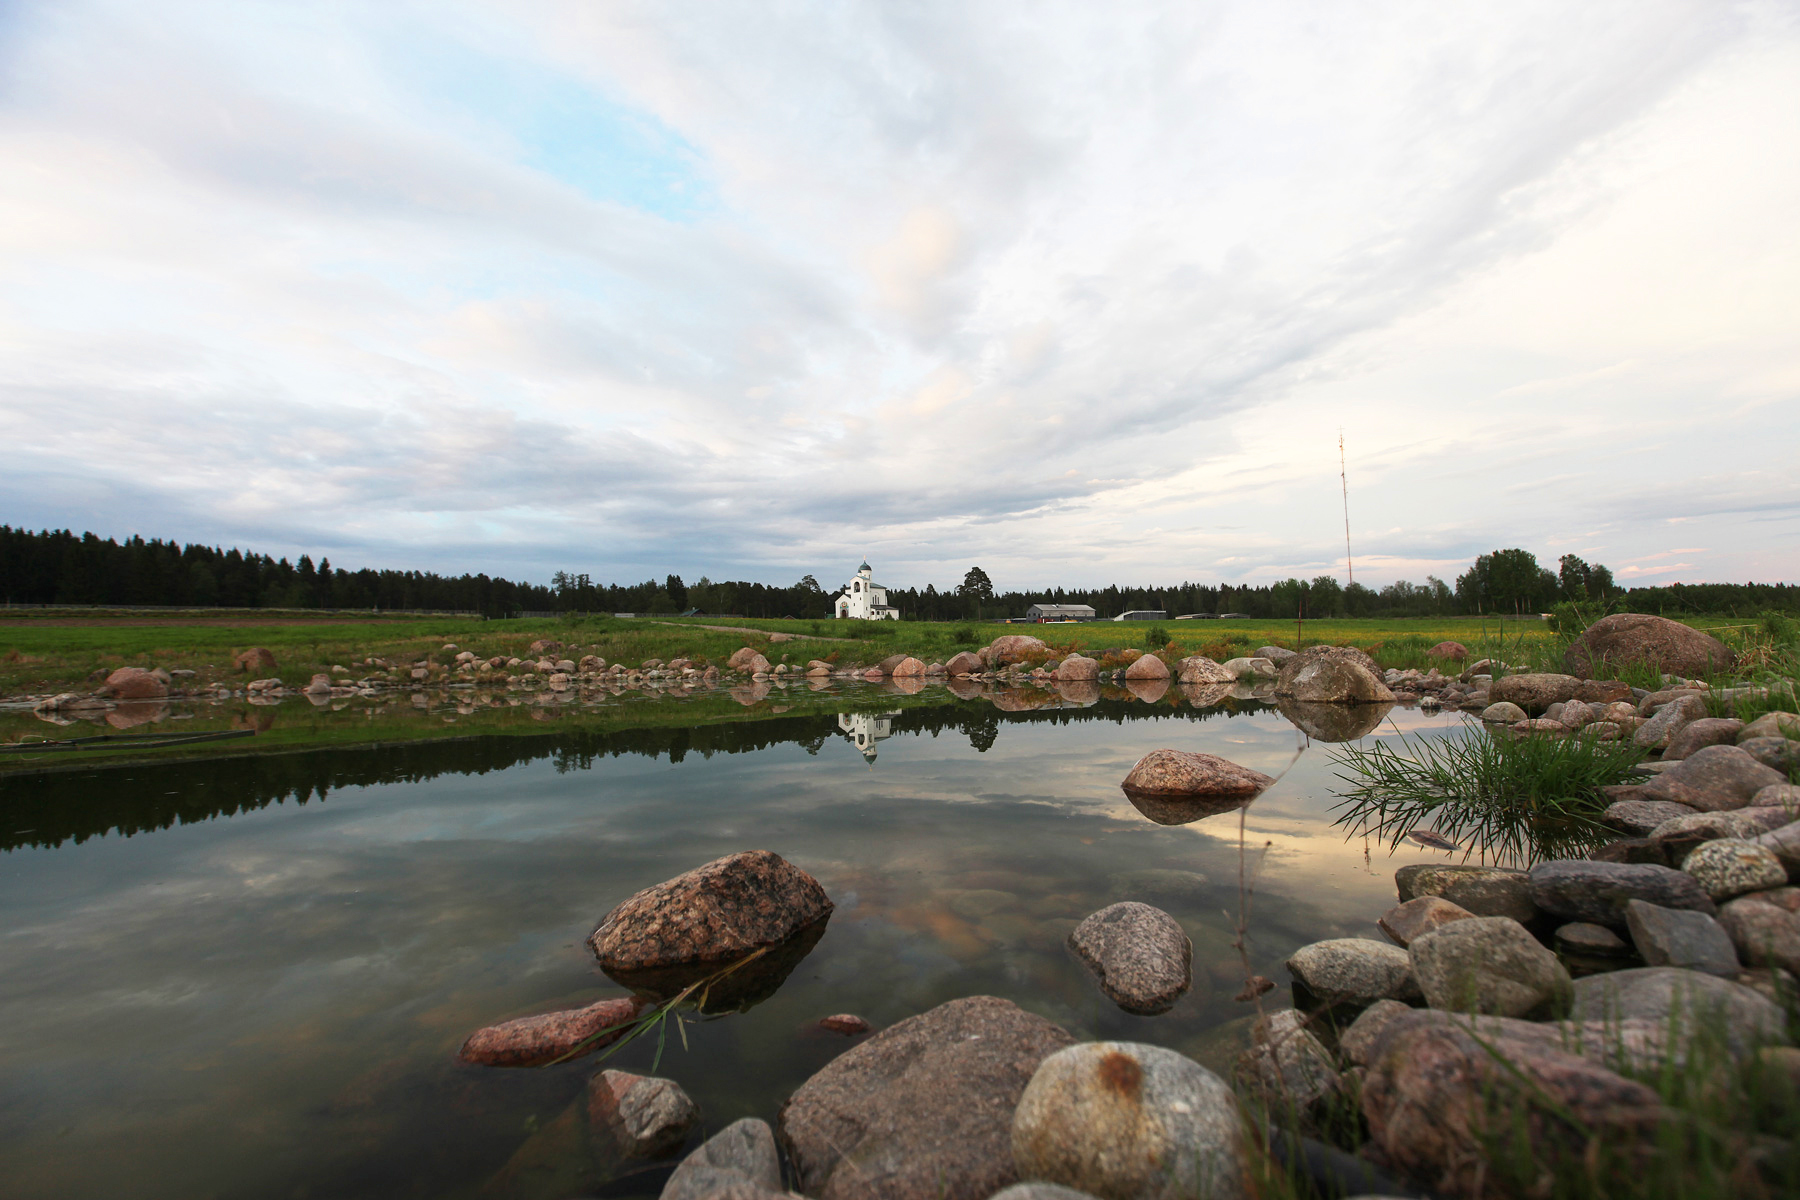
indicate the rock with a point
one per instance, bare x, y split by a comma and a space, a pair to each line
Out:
848, 1024
1675, 998
1730, 867
1678, 837
1598, 891
1147, 667
1668, 721
544, 646
1274, 654
1643, 816
1193, 774
1671, 937
747, 659
921, 1111
320, 685
1534, 692
1446, 650
712, 914
1665, 645
1143, 959
1250, 668
1772, 724
1483, 891
1331, 675
1197, 668
1356, 1040
1784, 796
534, 1041
1576, 715
1583, 937
1437, 1097
1039, 1190
1602, 691
1174, 809
1353, 971
966, 663
1126, 1121
1013, 648
1160, 884
1419, 916
1777, 753
908, 668
135, 683
1287, 1068
1076, 669
1654, 702
1765, 928
1632, 850
1706, 731
638, 1116
257, 660
1503, 713
741, 1155
1489, 965
1712, 778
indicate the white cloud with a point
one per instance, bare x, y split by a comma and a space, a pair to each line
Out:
1080, 294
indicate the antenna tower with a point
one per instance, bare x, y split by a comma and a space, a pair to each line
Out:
1344, 478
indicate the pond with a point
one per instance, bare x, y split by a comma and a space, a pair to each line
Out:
249, 977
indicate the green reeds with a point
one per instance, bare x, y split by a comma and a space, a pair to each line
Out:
693, 996
1514, 798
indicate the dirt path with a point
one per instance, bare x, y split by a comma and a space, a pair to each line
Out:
761, 633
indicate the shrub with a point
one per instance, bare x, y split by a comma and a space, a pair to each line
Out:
965, 635
1156, 636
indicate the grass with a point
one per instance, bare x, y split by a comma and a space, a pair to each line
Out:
1520, 799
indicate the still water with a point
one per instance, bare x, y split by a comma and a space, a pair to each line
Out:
249, 977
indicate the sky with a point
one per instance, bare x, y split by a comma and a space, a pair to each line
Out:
1076, 293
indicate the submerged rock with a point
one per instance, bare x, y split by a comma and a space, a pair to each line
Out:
638, 1116
1124, 1120
534, 1041
921, 1111
1142, 956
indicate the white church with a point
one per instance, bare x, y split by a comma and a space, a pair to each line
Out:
865, 600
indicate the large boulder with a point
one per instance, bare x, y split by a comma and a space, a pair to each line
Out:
1448, 650
1197, 668
1438, 1097
1147, 667
921, 1111
1584, 890
134, 683
1712, 779
963, 662
748, 660
1533, 692
1191, 773
1639, 638
1331, 675
1076, 669
1142, 957
1691, 1000
908, 668
1013, 648
534, 1041
258, 660
1125, 1121
712, 914
1489, 965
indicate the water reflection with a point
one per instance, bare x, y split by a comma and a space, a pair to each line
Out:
1334, 722
865, 729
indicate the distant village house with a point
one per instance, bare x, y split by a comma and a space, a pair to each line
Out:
865, 600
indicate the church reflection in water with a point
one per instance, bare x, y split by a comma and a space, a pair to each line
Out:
865, 729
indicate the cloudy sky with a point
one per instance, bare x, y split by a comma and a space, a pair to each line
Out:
1080, 293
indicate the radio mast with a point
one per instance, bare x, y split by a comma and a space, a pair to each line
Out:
1344, 478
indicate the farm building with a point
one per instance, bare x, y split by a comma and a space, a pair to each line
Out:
1060, 612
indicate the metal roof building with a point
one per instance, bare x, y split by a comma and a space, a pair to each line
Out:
1060, 612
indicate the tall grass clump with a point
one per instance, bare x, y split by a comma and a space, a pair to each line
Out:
1520, 798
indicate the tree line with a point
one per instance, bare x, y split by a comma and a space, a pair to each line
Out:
61, 567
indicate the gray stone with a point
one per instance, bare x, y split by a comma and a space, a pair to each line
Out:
1771, 724
1361, 1033
1779, 754
1489, 965
1785, 842
1576, 715
1655, 733
1274, 654
1652, 703
1038, 1190
1631, 850
1765, 928
1250, 668
1640, 817
741, 1155
1286, 1067
1142, 957
1408, 922
1684, 1001
1713, 778
1670, 937
1127, 1121
1534, 692
1707, 731
1504, 712
1583, 937
1785, 796
1578, 890
638, 1116
1332, 675
1484, 891
1730, 867
1354, 971
1682, 835
921, 1111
